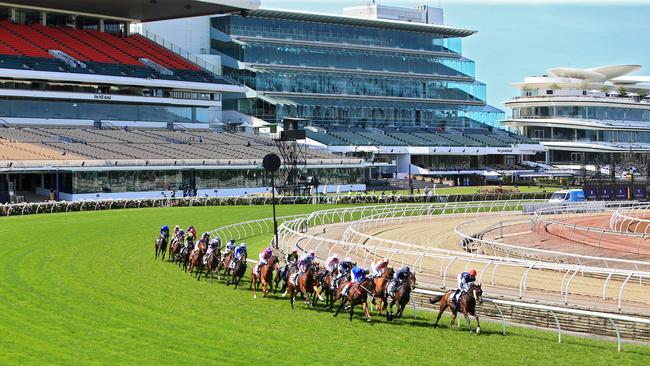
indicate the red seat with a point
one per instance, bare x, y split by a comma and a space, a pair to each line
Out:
85, 45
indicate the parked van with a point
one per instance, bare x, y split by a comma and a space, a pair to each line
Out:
568, 195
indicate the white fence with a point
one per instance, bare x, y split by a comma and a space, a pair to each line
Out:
303, 222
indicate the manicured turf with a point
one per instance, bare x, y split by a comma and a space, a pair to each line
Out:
83, 288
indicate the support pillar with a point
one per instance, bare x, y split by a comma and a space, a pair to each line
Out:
101, 25
43, 18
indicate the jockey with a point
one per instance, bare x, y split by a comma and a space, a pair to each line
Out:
400, 276
179, 235
379, 266
264, 257
205, 238
305, 261
332, 263
189, 241
343, 267
465, 281
192, 230
230, 246
164, 231
176, 230
358, 275
240, 252
214, 244
292, 257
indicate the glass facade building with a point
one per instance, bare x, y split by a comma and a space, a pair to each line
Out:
346, 71
161, 180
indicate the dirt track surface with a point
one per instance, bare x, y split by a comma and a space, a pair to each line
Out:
542, 286
563, 238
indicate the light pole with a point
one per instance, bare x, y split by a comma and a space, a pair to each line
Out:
271, 164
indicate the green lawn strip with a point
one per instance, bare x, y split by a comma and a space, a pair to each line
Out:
83, 288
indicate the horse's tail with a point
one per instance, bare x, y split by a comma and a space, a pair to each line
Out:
435, 299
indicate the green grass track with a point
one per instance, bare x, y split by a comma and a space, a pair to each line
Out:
83, 289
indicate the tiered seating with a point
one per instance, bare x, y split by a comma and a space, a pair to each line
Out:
436, 139
462, 140
381, 139
409, 139
89, 143
488, 140
26, 151
325, 138
27, 47
139, 46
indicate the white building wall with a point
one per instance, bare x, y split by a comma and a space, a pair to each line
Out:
190, 34
422, 14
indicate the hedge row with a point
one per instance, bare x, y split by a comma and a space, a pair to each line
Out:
51, 207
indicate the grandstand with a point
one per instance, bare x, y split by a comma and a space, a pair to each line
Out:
89, 110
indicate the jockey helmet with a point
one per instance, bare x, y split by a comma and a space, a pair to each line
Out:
165, 227
407, 269
177, 227
243, 245
294, 250
268, 251
335, 256
386, 260
472, 272
312, 252
205, 235
232, 241
348, 259
181, 232
214, 242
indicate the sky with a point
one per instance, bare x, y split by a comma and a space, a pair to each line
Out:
519, 38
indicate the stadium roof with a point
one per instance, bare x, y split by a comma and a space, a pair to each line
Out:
139, 10
361, 22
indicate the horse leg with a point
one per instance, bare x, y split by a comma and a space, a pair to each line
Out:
478, 324
340, 306
366, 310
253, 286
469, 326
443, 307
454, 313
351, 309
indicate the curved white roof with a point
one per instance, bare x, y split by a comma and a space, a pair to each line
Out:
571, 72
601, 73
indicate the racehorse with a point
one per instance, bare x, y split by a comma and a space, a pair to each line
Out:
381, 284
265, 277
467, 302
196, 261
326, 281
283, 275
305, 285
161, 246
237, 272
225, 263
358, 294
212, 264
401, 297
175, 248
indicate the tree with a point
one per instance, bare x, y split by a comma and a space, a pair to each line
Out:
605, 88
622, 91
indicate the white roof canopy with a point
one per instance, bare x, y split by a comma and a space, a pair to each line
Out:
140, 10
